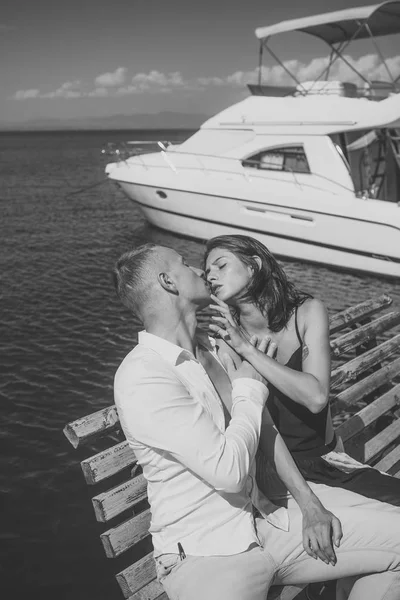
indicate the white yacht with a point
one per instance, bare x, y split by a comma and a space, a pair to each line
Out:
311, 170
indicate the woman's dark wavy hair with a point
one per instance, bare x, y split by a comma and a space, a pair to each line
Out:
270, 290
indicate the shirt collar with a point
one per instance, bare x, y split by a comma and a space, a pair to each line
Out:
170, 352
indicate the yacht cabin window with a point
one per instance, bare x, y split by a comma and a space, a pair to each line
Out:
291, 159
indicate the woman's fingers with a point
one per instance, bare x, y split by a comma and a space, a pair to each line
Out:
220, 319
218, 301
253, 341
272, 349
307, 546
220, 330
337, 532
223, 309
266, 346
263, 344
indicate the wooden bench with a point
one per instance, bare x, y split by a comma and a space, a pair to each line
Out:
363, 385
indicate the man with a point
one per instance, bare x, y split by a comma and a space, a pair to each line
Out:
215, 536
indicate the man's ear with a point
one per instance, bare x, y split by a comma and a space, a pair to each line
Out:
258, 260
167, 283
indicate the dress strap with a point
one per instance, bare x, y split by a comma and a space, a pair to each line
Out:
297, 327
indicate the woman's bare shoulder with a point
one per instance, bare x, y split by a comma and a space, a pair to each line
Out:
313, 310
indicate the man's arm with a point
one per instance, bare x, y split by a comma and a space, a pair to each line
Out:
156, 410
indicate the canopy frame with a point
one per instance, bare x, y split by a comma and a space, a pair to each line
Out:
337, 49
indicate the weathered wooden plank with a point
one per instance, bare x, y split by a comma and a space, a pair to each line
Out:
353, 314
134, 578
353, 339
352, 369
113, 502
95, 425
369, 414
125, 535
151, 591
107, 463
389, 460
369, 384
139, 577
383, 439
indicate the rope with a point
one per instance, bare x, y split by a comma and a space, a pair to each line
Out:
87, 187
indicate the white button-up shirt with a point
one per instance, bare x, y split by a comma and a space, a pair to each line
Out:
201, 475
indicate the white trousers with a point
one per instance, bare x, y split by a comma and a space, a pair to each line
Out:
369, 552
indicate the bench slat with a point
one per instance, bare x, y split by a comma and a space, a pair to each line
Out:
378, 443
136, 576
369, 384
353, 339
99, 423
125, 535
352, 369
151, 591
369, 414
115, 501
352, 314
389, 460
131, 583
107, 463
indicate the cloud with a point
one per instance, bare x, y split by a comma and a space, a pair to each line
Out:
145, 81
99, 92
116, 84
4, 27
113, 79
26, 94
66, 90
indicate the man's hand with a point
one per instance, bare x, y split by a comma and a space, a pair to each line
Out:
236, 367
240, 368
321, 532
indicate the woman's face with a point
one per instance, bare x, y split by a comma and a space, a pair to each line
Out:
227, 275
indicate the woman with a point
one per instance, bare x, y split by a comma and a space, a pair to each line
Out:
252, 296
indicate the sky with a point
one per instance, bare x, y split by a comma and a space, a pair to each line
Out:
69, 59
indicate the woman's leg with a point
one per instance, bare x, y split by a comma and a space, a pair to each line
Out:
368, 482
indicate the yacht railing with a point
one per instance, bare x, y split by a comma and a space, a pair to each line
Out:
125, 154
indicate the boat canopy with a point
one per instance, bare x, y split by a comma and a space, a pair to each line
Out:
308, 115
343, 25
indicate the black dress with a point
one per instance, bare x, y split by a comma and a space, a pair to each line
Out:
305, 436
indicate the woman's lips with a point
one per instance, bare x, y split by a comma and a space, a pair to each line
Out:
215, 289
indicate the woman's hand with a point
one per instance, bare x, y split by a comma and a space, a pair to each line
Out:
226, 327
321, 532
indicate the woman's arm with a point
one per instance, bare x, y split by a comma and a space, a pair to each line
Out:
320, 527
309, 387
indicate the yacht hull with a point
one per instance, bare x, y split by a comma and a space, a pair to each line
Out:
202, 216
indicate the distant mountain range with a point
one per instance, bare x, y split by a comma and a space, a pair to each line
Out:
162, 120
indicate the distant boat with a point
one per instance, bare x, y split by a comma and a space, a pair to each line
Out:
311, 170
